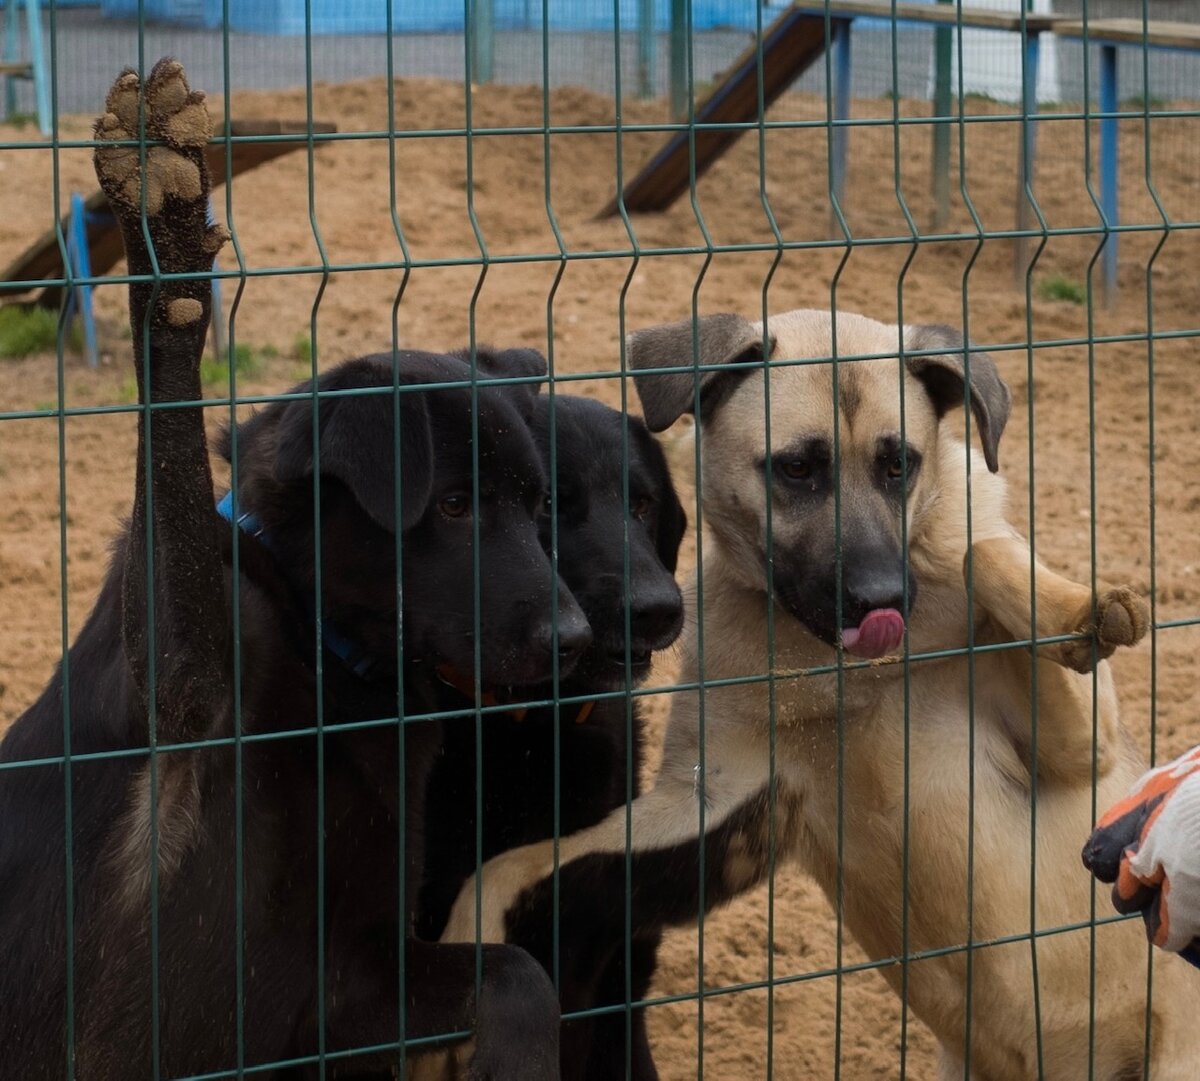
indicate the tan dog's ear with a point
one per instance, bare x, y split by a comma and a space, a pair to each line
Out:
944, 378
710, 340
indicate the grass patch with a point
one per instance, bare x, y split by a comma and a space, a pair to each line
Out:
302, 348
247, 360
1059, 287
26, 329
1140, 104
20, 121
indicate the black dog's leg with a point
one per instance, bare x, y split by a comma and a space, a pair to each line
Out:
613, 1048
190, 618
514, 1018
603, 895
600, 1048
174, 525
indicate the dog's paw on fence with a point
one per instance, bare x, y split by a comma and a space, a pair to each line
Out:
1122, 618
174, 180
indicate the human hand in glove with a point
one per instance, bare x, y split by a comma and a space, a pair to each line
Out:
1148, 846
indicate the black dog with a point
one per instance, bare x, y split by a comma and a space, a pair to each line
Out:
597, 751
236, 897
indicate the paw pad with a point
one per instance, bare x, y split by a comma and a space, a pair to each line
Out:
184, 310
1121, 619
175, 115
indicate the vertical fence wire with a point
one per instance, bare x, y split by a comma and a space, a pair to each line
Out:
702, 768
623, 369
63, 577
319, 823
1106, 240
151, 636
832, 145
901, 278
626, 591
768, 479
235, 592
969, 566
469, 47
1028, 117
552, 463
1151, 466
402, 1065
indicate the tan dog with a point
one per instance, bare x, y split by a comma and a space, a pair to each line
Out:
870, 535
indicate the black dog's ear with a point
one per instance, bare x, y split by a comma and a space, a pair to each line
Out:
672, 524
511, 364
672, 519
945, 380
357, 447
711, 340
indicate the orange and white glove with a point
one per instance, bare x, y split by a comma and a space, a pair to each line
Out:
1148, 846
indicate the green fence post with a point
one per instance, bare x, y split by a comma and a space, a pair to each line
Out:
943, 53
679, 81
483, 40
11, 52
647, 48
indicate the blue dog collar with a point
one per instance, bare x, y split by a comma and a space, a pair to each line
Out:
353, 656
247, 522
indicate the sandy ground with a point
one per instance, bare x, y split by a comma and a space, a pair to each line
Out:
287, 213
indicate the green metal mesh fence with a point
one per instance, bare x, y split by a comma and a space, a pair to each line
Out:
1055, 227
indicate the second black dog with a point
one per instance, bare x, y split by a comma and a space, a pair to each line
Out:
593, 745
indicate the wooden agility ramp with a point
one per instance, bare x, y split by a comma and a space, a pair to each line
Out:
790, 45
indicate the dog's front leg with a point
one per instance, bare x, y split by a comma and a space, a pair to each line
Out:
1003, 573
631, 876
173, 519
1004, 583
499, 994
726, 801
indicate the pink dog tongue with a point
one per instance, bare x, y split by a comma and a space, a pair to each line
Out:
879, 634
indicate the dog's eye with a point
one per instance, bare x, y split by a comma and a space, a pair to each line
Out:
641, 506
796, 469
900, 466
456, 505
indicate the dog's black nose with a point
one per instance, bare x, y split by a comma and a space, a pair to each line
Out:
574, 635
656, 616
865, 589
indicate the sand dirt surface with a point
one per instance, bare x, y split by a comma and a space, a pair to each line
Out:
1110, 424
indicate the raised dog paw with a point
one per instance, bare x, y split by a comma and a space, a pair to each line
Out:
1121, 618
175, 173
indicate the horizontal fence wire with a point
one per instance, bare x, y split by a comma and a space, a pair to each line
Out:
633, 57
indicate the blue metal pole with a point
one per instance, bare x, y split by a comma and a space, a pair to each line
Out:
37, 58
81, 258
1028, 147
1109, 160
